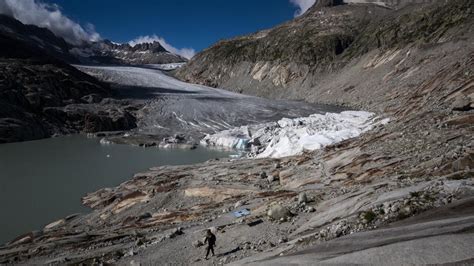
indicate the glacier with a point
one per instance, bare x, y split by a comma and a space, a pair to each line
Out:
218, 118
171, 106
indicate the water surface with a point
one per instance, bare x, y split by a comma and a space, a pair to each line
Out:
44, 180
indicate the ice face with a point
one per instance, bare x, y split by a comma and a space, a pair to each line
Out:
288, 137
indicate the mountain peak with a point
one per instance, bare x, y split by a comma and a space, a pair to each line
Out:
149, 46
325, 3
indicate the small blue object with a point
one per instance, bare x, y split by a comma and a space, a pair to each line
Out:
240, 213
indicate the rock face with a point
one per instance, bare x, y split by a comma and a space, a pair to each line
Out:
302, 198
39, 99
106, 52
329, 53
462, 103
390, 3
25, 41
41, 96
279, 57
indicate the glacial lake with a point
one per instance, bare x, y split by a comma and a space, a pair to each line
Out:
42, 181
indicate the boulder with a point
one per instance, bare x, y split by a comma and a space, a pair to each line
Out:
284, 175
471, 99
92, 98
278, 212
271, 178
146, 215
302, 198
175, 232
466, 162
461, 103
239, 203
54, 224
198, 243
180, 137
277, 165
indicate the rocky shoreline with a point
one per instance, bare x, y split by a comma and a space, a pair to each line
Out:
40, 100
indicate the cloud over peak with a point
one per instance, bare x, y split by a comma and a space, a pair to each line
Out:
48, 16
184, 52
36, 12
303, 6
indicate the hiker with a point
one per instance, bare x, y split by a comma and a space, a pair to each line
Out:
211, 242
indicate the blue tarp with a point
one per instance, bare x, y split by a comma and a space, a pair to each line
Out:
240, 213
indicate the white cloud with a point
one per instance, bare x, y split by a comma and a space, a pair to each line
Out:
184, 52
303, 6
49, 16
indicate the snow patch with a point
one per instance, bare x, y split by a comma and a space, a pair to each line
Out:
288, 137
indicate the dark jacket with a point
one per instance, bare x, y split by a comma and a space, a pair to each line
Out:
210, 240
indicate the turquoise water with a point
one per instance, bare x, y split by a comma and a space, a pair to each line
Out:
44, 180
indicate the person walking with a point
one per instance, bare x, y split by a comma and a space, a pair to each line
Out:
211, 242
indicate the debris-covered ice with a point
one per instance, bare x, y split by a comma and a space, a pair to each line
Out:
288, 137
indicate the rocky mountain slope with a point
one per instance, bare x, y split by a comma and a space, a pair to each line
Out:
41, 96
394, 4
318, 56
25, 41
39, 99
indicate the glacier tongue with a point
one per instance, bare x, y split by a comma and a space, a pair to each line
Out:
288, 137
171, 106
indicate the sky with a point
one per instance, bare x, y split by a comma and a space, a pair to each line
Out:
182, 26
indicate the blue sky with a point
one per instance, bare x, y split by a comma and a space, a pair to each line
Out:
193, 24
183, 23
